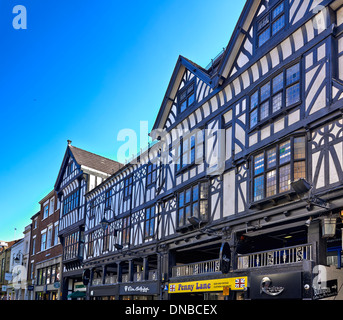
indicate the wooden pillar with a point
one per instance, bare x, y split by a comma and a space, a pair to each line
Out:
131, 270
145, 268
119, 272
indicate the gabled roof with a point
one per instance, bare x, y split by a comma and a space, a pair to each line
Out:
219, 70
88, 160
94, 161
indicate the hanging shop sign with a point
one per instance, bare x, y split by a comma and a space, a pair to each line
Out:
276, 286
225, 257
209, 285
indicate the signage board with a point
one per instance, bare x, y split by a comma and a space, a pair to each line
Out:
4, 288
239, 283
8, 276
145, 288
225, 257
276, 286
325, 290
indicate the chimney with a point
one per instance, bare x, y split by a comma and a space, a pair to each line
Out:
69, 142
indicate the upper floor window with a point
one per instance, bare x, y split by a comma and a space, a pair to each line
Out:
275, 168
151, 175
186, 97
281, 91
70, 168
108, 199
71, 202
193, 201
128, 186
149, 222
126, 230
46, 211
43, 242
271, 23
71, 246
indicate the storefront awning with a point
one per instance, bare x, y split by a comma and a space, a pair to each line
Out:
77, 294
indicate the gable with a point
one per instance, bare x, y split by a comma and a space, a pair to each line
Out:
192, 89
69, 169
185, 72
259, 31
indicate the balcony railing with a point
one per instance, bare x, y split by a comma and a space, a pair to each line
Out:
283, 256
210, 266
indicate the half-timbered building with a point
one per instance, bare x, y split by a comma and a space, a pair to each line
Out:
248, 155
80, 172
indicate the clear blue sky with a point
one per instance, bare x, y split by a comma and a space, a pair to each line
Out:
83, 70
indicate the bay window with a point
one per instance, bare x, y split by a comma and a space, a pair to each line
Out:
193, 201
275, 168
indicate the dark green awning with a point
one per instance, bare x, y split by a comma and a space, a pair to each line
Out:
77, 294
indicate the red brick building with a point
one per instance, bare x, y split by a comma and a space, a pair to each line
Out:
46, 250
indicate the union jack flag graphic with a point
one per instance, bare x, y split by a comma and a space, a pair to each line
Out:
239, 283
172, 288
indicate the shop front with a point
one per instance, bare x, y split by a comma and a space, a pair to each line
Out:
147, 290
234, 288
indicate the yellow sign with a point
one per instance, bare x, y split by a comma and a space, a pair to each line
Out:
208, 285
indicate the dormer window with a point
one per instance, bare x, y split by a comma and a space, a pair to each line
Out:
271, 23
186, 97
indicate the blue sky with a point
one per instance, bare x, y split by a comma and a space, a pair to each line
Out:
84, 70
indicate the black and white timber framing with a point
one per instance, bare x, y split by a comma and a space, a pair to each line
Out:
219, 109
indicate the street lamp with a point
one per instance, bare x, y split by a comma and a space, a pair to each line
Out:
104, 223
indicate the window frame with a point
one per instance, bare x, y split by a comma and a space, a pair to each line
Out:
192, 202
151, 172
186, 98
125, 236
128, 184
269, 99
268, 26
291, 163
71, 202
149, 222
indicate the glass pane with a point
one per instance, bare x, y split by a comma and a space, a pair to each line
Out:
277, 102
188, 195
258, 188
191, 99
299, 170
183, 106
264, 110
254, 100
195, 193
278, 25
190, 89
181, 199
271, 183
203, 190
293, 74
277, 10
263, 37
271, 158
195, 209
285, 178
187, 213
203, 210
183, 95
265, 91
253, 118
181, 217
278, 83
263, 22
299, 148
293, 94
285, 152
259, 164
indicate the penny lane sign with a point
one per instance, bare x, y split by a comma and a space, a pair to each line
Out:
208, 285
